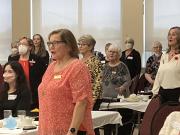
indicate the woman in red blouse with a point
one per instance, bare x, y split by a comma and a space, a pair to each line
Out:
65, 93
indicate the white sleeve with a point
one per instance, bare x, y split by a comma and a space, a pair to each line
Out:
156, 85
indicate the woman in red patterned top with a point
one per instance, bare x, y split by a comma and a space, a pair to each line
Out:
65, 93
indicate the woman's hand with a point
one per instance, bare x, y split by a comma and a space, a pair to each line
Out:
120, 90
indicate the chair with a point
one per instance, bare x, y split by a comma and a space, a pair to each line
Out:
142, 83
145, 127
161, 114
134, 83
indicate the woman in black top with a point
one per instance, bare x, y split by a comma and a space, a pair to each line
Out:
132, 59
39, 49
14, 94
33, 67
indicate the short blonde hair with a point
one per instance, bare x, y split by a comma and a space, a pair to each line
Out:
88, 39
157, 43
115, 48
107, 46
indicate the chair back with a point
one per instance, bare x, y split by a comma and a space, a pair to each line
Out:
161, 114
145, 127
133, 85
141, 84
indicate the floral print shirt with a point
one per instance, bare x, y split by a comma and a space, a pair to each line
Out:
152, 65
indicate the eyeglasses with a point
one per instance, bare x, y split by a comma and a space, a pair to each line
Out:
81, 44
55, 43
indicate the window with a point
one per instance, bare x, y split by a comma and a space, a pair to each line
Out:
5, 29
81, 17
160, 15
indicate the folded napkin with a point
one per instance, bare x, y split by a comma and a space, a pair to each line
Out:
133, 98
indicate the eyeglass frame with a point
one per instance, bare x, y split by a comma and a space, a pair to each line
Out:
84, 44
55, 43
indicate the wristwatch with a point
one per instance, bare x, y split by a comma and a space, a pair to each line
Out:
72, 130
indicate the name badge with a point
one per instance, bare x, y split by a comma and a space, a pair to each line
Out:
12, 97
57, 76
130, 58
103, 61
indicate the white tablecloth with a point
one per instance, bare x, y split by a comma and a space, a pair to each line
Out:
137, 106
100, 118
4, 131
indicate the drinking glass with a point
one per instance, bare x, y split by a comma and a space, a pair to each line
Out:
21, 114
7, 113
9, 121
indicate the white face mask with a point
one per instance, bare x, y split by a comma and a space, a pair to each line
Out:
22, 49
14, 51
129, 45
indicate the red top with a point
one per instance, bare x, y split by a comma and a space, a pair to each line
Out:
25, 66
58, 94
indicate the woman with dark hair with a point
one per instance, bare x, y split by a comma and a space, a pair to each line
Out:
15, 94
32, 65
39, 48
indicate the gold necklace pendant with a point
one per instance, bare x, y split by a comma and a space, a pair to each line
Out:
57, 77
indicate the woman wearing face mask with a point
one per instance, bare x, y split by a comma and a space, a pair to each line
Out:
32, 66
152, 64
15, 94
132, 59
14, 50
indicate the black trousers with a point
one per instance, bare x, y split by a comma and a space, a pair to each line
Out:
169, 95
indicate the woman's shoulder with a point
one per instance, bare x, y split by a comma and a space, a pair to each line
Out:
76, 63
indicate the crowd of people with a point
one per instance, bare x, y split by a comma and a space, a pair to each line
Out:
78, 85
